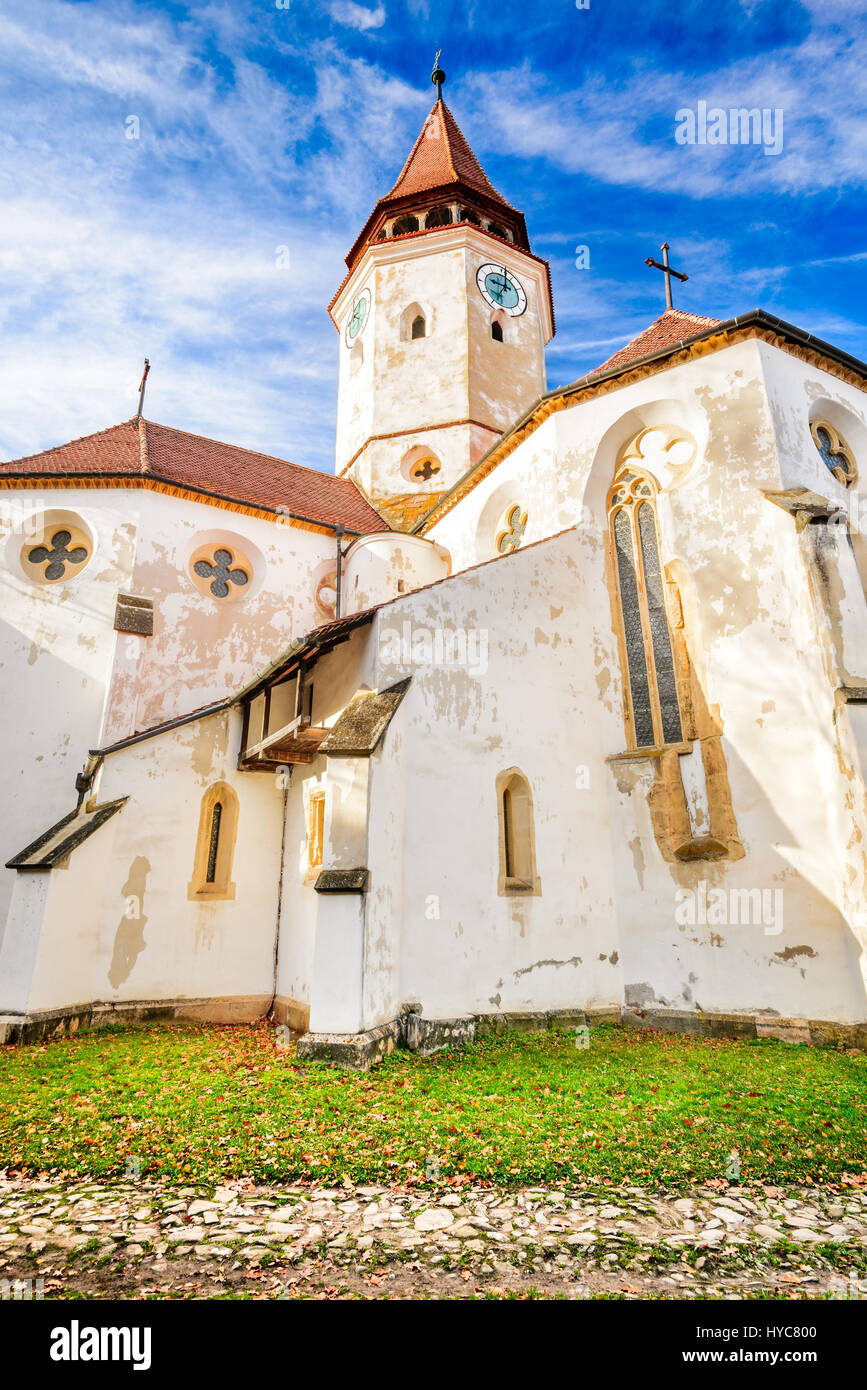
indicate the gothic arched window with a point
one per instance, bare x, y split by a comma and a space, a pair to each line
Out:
497, 331
418, 326
653, 706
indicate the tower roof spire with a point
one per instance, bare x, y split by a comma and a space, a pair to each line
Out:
444, 179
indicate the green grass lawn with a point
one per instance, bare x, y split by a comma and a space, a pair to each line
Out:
198, 1103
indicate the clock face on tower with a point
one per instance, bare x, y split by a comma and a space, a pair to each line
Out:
501, 289
358, 317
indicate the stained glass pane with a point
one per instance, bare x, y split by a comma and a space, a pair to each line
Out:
641, 711
666, 683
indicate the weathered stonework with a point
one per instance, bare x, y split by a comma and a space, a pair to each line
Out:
429, 1035
357, 1051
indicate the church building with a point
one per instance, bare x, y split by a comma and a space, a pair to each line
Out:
548, 706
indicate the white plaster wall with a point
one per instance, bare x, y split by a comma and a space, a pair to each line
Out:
90, 949
548, 471
203, 648
56, 650
379, 567
71, 683
531, 701
336, 678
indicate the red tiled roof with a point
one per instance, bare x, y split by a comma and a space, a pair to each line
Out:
439, 157
669, 329
440, 161
140, 448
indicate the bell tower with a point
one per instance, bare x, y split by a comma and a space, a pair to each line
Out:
443, 319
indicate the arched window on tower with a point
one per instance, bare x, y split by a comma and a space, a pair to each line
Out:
413, 323
516, 835
653, 715
215, 844
439, 216
406, 223
497, 331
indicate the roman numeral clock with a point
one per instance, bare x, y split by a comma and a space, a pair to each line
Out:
501, 289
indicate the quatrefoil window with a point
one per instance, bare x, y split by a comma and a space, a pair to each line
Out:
515, 525
221, 572
55, 553
425, 469
59, 556
835, 452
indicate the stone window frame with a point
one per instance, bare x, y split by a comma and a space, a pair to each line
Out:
507, 527
206, 551
634, 487
838, 446
516, 835
212, 865
416, 457
40, 535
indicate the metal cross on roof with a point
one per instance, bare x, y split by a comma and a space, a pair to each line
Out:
667, 272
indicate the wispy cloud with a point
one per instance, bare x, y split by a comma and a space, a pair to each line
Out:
261, 127
357, 16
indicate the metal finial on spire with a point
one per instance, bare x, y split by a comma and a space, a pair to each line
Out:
438, 77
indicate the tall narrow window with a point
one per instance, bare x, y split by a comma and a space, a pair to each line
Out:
213, 849
517, 836
653, 707
418, 326
215, 844
497, 331
316, 829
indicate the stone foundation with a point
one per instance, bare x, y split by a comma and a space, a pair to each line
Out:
45, 1024
429, 1035
422, 1035
357, 1051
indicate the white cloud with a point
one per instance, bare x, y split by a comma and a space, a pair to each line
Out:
357, 16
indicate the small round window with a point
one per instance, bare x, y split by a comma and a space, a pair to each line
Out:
56, 551
222, 572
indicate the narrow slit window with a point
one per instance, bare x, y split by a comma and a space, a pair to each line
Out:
215, 844
418, 326
316, 830
508, 833
517, 836
497, 331
213, 848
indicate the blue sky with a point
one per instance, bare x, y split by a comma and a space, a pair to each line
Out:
263, 126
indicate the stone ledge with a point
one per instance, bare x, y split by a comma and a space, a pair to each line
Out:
539, 1021
44, 1024
699, 1025
358, 1051
818, 1032
429, 1035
